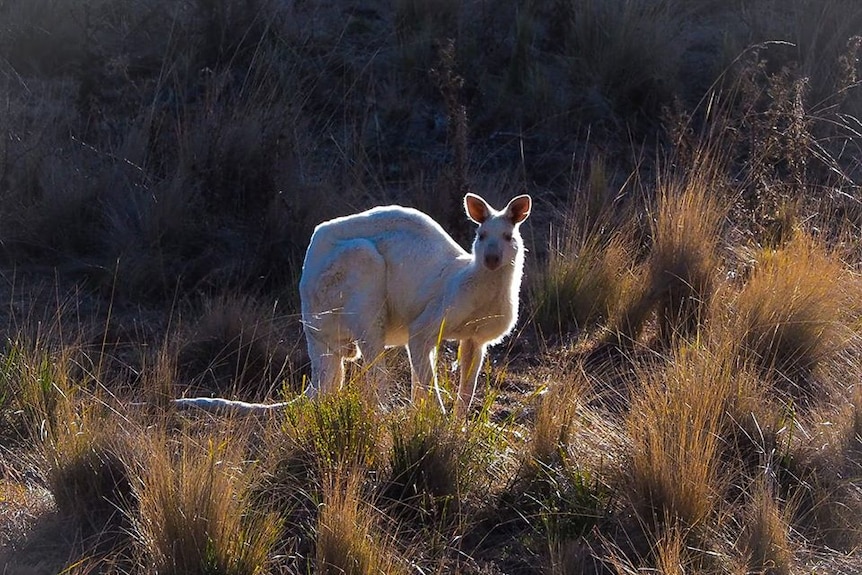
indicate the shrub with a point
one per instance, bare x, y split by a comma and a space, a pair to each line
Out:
818, 47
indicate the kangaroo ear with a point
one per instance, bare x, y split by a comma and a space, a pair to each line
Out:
519, 208
477, 209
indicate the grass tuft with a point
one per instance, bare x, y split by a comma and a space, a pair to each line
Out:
349, 541
766, 541
86, 472
235, 346
194, 508
679, 278
425, 474
790, 313
554, 421
35, 384
335, 432
585, 277
676, 424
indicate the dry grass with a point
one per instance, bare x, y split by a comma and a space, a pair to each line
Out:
628, 69
86, 472
157, 156
554, 421
676, 424
236, 344
350, 541
678, 280
765, 542
792, 313
193, 507
585, 279
670, 554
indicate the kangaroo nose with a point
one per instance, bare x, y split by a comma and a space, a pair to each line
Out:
492, 261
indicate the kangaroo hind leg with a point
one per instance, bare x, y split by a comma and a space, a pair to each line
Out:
327, 367
365, 311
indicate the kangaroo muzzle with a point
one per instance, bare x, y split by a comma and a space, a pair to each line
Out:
493, 260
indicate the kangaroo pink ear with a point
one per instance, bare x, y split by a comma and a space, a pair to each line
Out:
519, 208
477, 209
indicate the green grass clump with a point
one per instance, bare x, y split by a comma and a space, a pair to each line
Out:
582, 283
338, 431
426, 471
79, 441
32, 386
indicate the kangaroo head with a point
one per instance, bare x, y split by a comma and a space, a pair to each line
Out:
497, 241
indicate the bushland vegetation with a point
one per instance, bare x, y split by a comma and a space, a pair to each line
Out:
682, 392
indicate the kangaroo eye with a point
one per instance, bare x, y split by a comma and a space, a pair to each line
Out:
482, 236
507, 237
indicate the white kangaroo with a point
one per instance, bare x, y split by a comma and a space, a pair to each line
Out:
391, 276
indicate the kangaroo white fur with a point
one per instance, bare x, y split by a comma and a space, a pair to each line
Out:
391, 276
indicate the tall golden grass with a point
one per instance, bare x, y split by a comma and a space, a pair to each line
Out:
163, 165
194, 513
350, 539
675, 425
793, 311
